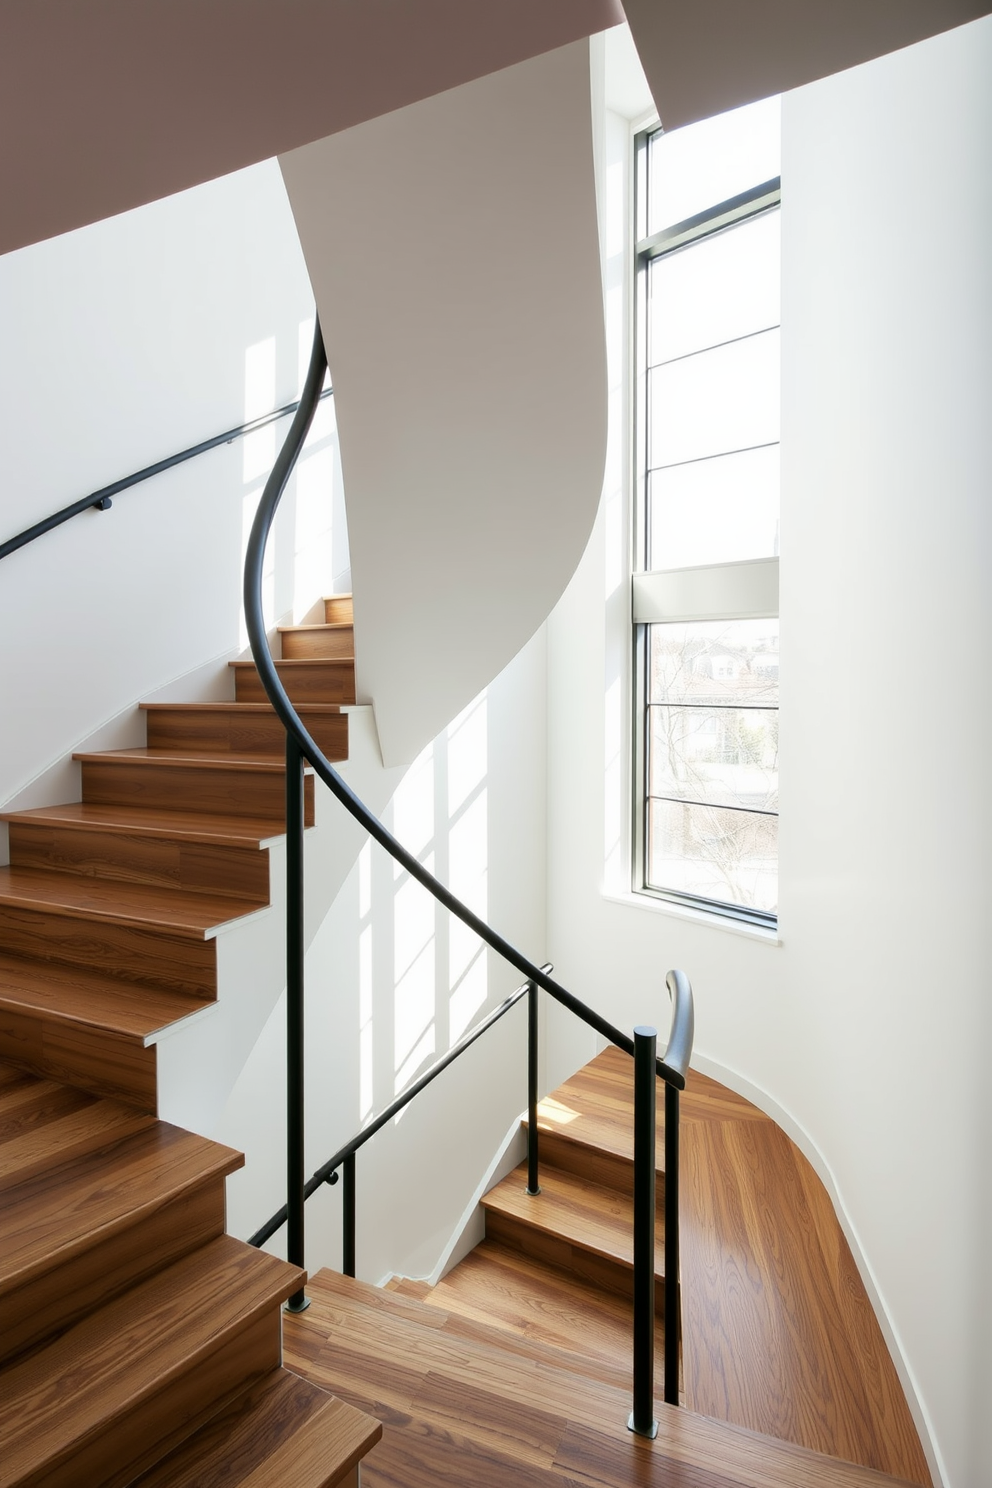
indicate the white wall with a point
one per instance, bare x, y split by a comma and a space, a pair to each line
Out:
123, 343
453, 251
863, 1030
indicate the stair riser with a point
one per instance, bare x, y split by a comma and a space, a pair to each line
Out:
128, 858
92, 1058
147, 1428
322, 682
141, 955
328, 645
612, 1276
51, 1302
339, 609
605, 1168
223, 791
249, 734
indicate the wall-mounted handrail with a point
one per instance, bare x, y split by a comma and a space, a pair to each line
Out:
672, 1067
101, 500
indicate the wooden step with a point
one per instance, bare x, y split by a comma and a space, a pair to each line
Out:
587, 1125
242, 728
334, 642
85, 1028
305, 681
339, 609
45, 1125
222, 855
160, 937
78, 1234
167, 780
282, 1433
127, 1384
578, 1226
516, 1293
463, 1403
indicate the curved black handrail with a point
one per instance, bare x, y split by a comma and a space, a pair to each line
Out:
327, 1171
101, 500
669, 1070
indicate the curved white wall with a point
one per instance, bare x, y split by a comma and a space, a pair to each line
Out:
868, 1027
454, 255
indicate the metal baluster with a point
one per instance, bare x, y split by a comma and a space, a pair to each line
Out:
348, 1216
533, 1186
296, 1245
672, 1309
642, 1416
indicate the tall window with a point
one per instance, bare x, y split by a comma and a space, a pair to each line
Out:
705, 590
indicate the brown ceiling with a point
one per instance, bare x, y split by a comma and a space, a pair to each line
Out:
107, 104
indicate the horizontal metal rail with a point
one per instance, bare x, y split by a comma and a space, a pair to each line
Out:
101, 500
325, 1173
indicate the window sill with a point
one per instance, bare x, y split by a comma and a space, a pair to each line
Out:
710, 921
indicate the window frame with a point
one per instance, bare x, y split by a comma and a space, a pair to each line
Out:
744, 589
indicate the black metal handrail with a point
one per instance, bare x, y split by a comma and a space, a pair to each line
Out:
102, 500
327, 1172
672, 1067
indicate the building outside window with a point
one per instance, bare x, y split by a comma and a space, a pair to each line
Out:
706, 464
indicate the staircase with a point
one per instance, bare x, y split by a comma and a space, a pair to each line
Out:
138, 1341
517, 1364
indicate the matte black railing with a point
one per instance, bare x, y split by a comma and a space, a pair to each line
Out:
671, 1067
102, 500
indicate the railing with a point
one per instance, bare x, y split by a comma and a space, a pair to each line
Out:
671, 1067
102, 500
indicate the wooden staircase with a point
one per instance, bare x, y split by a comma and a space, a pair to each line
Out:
138, 1341
550, 1284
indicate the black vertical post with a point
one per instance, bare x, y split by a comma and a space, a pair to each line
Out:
672, 1308
294, 1015
533, 1186
642, 1416
348, 1217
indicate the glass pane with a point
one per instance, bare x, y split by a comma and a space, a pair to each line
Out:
716, 289
696, 167
715, 401
714, 511
728, 856
726, 756
714, 661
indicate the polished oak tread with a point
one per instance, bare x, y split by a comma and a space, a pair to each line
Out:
53, 1216
593, 1109
182, 912
214, 830
587, 1216
463, 1403
283, 1433
104, 1394
176, 759
510, 1290
44, 1125
74, 994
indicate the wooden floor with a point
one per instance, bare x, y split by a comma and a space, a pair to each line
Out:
472, 1406
778, 1333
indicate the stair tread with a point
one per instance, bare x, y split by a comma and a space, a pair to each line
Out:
431, 1375
75, 1387
595, 1108
185, 826
185, 758
259, 709
587, 1215
76, 995
63, 1211
302, 661
50, 1125
184, 912
317, 626
283, 1433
